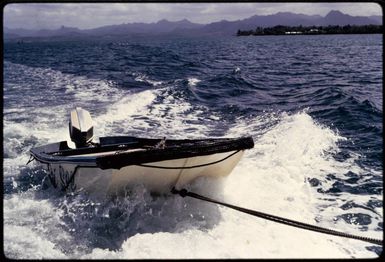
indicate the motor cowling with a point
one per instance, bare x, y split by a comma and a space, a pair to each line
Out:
81, 127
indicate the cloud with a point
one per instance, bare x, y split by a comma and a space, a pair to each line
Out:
91, 15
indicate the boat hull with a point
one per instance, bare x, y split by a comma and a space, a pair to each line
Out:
118, 163
158, 178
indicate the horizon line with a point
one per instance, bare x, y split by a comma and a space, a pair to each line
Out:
184, 19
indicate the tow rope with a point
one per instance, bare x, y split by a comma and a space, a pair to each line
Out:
184, 193
31, 158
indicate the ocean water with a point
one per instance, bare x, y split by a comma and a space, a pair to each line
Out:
313, 104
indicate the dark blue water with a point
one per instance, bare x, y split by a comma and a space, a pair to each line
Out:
208, 87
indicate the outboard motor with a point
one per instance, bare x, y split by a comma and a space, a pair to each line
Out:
81, 128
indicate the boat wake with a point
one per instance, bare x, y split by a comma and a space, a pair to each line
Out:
293, 171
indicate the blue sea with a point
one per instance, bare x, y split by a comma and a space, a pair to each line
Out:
313, 105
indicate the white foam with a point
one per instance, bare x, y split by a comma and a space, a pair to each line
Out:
277, 168
82, 88
22, 242
144, 78
122, 113
237, 238
19, 138
31, 228
192, 81
145, 115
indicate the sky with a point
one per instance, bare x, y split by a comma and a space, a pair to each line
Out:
92, 15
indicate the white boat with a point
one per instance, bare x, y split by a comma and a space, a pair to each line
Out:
116, 163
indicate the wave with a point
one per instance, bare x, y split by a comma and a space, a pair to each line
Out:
144, 78
273, 177
192, 81
297, 153
307, 165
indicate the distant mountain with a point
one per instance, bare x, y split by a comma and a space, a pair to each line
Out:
225, 27
17, 31
10, 36
186, 28
59, 32
161, 27
338, 18
282, 18
377, 18
167, 26
41, 33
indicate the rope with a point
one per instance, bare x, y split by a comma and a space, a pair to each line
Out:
31, 158
184, 193
189, 167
